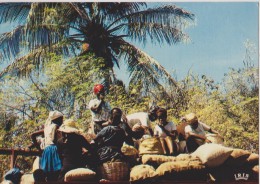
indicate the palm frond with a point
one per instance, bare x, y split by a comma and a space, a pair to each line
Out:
9, 46
28, 37
149, 68
80, 10
156, 32
37, 59
114, 10
166, 15
14, 12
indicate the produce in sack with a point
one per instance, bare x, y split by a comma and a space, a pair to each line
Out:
190, 170
238, 157
128, 150
253, 159
80, 174
27, 179
215, 138
142, 172
212, 155
157, 160
151, 146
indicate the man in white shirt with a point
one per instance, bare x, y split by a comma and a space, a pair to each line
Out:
143, 118
195, 132
100, 109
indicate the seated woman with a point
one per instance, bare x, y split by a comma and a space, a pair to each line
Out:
166, 130
195, 132
70, 146
110, 139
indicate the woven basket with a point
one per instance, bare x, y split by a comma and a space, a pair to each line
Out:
115, 171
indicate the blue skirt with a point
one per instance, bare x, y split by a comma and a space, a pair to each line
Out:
50, 160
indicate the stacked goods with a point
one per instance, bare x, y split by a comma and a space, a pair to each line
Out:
141, 173
129, 151
253, 159
215, 138
156, 160
238, 157
178, 170
36, 164
80, 174
27, 179
223, 164
131, 154
151, 146
239, 162
212, 155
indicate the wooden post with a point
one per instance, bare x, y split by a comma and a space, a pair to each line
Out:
13, 158
15, 152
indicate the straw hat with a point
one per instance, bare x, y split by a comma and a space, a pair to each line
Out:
191, 118
69, 126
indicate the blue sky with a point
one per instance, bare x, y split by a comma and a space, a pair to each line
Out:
217, 40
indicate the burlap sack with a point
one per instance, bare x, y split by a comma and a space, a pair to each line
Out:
36, 164
253, 159
142, 172
212, 155
151, 146
238, 157
156, 160
186, 157
27, 179
215, 138
189, 170
255, 169
128, 150
80, 174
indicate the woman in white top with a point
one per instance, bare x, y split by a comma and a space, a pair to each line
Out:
50, 162
167, 131
164, 128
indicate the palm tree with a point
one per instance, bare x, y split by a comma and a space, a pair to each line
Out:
107, 28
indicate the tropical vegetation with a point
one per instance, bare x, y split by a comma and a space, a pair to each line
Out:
56, 57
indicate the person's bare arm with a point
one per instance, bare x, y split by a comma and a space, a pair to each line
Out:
198, 136
34, 136
173, 134
215, 132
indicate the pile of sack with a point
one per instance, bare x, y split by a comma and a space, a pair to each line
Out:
210, 162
